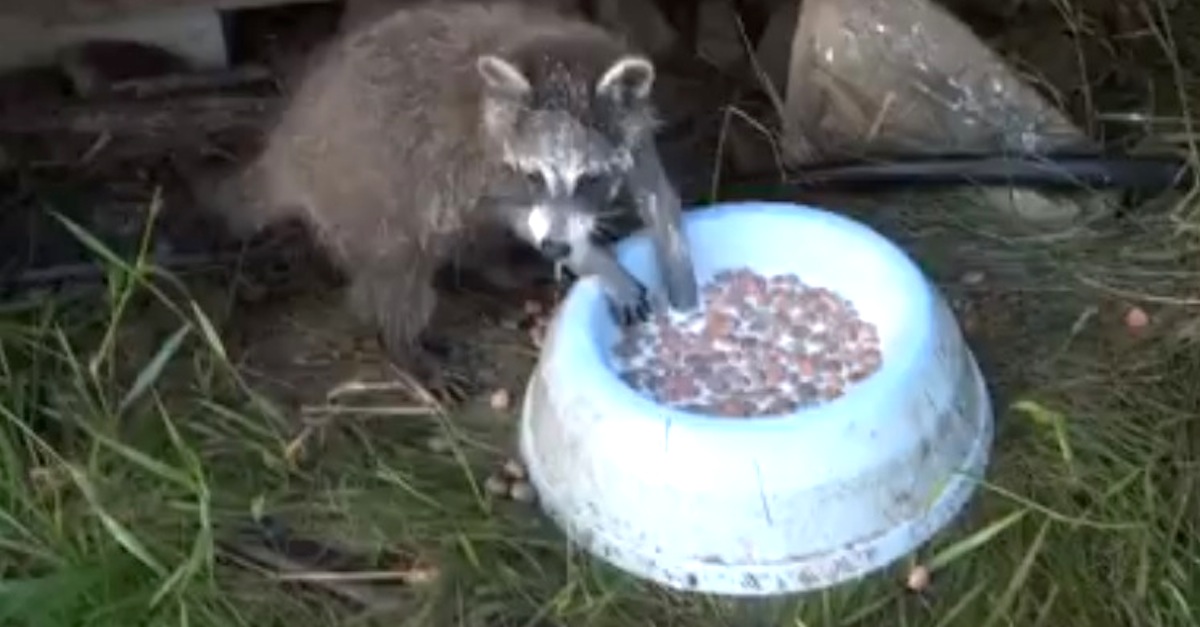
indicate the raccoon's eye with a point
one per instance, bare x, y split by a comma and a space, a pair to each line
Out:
535, 179
591, 185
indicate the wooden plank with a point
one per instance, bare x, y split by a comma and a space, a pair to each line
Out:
195, 34
90, 10
179, 115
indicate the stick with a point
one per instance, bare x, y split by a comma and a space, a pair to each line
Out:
160, 85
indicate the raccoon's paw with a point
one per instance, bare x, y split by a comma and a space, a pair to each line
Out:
437, 346
445, 387
429, 371
630, 305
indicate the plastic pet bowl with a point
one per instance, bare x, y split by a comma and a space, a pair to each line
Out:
762, 506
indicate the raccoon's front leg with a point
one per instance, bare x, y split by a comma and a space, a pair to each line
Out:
659, 207
628, 299
397, 295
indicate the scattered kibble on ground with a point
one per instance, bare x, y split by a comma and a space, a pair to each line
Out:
514, 469
918, 579
511, 481
496, 485
522, 492
1136, 318
500, 400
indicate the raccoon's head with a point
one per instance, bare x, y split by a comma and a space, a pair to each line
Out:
569, 127
563, 121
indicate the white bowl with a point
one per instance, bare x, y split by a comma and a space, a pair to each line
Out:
767, 505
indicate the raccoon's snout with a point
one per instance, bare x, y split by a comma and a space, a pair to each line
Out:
558, 227
555, 250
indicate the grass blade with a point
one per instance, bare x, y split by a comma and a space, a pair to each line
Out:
125, 538
1019, 577
973, 542
154, 369
963, 603
1056, 421
211, 336
93, 244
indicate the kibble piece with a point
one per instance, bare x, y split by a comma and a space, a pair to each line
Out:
1136, 318
759, 345
537, 334
496, 485
918, 579
500, 400
522, 492
514, 469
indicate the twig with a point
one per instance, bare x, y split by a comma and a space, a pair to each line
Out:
337, 410
365, 575
1137, 296
764, 80
881, 116
271, 563
355, 387
224, 79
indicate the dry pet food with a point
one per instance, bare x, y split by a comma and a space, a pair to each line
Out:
757, 346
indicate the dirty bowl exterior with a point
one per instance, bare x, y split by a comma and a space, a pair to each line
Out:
766, 505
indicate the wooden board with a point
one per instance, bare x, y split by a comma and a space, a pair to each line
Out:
90, 10
196, 34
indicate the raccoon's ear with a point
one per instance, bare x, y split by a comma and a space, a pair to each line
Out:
628, 80
502, 77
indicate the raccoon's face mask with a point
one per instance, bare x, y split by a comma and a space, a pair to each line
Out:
567, 139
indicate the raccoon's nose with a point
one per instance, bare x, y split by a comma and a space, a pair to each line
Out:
555, 250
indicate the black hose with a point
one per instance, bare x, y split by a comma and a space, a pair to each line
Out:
1132, 173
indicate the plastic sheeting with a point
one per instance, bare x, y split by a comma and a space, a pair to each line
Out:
886, 77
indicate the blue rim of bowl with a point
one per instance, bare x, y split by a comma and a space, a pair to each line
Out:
885, 383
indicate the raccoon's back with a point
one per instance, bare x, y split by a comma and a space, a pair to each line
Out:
384, 134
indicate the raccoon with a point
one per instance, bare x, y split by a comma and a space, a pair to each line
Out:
417, 139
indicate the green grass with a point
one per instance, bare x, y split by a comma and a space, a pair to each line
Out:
128, 441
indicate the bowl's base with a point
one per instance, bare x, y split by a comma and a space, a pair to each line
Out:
811, 572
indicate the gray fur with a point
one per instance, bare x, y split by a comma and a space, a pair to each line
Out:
399, 135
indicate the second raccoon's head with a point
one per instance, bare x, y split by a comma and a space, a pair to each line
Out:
564, 122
